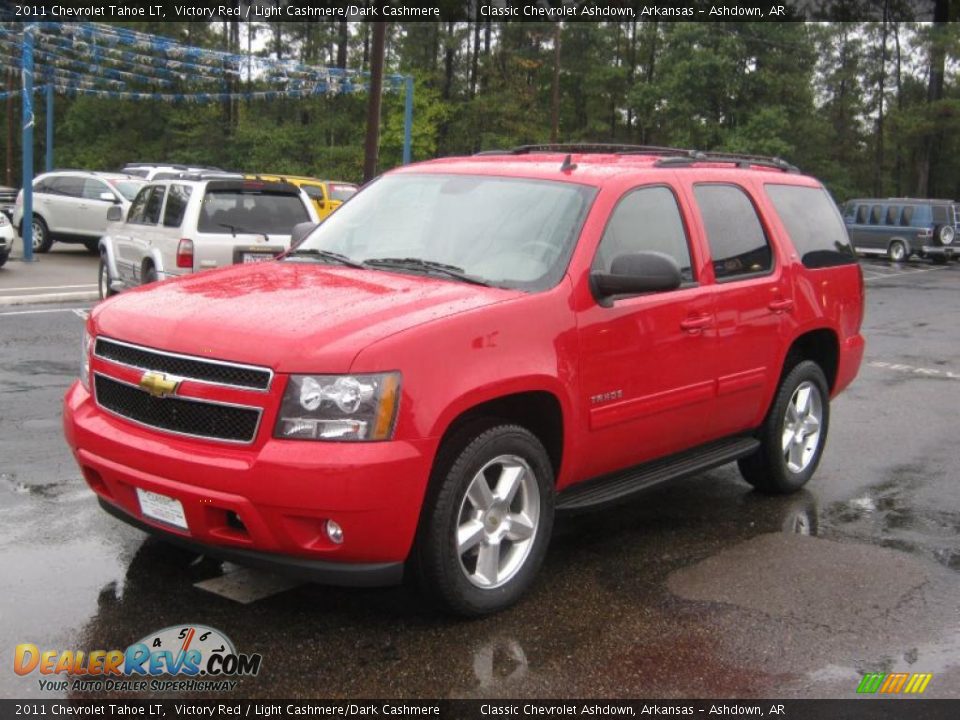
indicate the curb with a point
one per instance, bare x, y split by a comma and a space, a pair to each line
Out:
81, 296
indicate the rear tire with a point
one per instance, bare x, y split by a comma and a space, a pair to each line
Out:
149, 274
103, 280
793, 435
487, 520
42, 241
898, 251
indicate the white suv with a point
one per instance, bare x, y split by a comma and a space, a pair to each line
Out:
165, 171
176, 227
72, 205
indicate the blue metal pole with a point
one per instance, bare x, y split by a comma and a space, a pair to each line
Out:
408, 121
26, 81
50, 125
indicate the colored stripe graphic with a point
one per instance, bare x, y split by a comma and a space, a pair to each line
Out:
894, 683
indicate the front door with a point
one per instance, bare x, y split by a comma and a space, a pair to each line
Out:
646, 375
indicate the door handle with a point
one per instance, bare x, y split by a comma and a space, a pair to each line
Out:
694, 325
779, 306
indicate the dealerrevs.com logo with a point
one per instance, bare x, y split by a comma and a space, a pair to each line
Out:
197, 657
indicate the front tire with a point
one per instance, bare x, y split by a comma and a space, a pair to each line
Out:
487, 520
3, 258
92, 246
793, 435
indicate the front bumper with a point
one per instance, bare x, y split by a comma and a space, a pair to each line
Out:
7, 237
264, 505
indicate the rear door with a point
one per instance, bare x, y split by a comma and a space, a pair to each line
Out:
754, 304
60, 208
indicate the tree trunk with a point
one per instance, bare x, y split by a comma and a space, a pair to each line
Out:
475, 57
555, 95
343, 38
372, 145
931, 145
898, 162
881, 89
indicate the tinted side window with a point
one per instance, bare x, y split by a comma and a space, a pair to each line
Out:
139, 205
737, 241
893, 215
70, 186
875, 213
940, 214
647, 219
813, 224
177, 199
862, 214
151, 214
907, 216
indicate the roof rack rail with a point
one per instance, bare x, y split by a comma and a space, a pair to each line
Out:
586, 148
741, 160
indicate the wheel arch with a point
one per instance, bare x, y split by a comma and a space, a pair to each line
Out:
822, 346
539, 411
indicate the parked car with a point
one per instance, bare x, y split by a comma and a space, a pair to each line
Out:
8, 197
902, 227
422, 383
71, 206
7, 236
165, 171
327, 195
208, 220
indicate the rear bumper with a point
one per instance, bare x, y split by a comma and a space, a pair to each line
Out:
941, 250
265, 504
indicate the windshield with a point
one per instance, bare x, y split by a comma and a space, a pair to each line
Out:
127, 188
506, 231
246, 211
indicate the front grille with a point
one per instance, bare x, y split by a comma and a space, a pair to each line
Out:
178, 415
210, 371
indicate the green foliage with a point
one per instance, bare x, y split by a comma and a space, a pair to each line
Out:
818, 95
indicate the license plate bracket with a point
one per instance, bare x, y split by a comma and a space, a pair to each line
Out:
163, 508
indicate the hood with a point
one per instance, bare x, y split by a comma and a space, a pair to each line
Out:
290, 316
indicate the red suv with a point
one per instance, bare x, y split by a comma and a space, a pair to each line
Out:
467, 347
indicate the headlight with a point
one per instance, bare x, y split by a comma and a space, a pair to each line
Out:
339, 407
86, 347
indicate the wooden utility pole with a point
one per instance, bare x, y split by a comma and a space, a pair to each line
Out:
11, 79
374, 96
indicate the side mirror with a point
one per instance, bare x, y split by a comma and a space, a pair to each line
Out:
300, 232
114, 213
636, 273
109, 197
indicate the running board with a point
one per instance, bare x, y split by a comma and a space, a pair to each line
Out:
619, 486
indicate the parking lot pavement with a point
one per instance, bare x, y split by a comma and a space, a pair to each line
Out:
68, 273
701, 588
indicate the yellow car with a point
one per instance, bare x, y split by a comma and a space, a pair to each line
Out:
327, 195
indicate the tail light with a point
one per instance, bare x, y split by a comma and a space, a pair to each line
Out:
19, 200
863, 295
925, 233
185, 253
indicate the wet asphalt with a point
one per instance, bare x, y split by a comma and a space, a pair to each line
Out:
701, 588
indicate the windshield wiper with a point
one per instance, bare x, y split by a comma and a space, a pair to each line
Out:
234, 229
410, 263
327, 255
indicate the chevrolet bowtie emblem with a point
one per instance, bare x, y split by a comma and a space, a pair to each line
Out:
158, 384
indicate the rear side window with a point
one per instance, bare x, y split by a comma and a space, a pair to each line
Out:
940, 214
70, 186
893, 215
862, 214
814, 225
875, 214
647, 219
250, 211
151, 215
342, 193
177, 198
907, 218
737, 241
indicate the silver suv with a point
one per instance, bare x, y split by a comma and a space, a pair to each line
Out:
176, 227
72, 205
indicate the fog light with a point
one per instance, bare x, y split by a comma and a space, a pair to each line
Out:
334, 532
